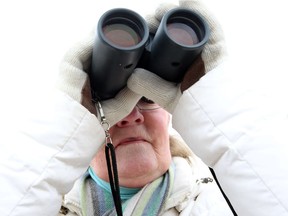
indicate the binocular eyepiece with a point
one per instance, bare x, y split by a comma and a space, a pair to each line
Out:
123, 42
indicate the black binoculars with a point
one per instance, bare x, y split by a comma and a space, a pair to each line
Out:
123, 42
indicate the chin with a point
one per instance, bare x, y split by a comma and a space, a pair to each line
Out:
136, 160
134, 153
139, 164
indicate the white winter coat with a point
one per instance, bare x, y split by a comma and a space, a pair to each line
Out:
239, 132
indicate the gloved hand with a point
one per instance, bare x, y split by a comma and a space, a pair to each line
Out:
74, 81
166, 93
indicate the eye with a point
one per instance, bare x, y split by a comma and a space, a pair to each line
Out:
146, 100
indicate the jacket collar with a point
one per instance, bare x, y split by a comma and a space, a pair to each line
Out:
186, 186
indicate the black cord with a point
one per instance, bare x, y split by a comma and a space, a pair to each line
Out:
224, 195
113, 177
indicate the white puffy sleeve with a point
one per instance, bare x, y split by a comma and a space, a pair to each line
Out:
239, 128
52, 146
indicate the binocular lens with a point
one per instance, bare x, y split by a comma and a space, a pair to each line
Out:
120, 40
121, 35
178, 41
182, 34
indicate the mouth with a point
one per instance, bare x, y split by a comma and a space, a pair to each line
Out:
131, 140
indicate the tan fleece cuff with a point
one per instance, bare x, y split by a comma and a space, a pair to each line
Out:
148, 84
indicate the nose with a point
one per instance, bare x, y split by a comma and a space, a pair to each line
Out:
135, 117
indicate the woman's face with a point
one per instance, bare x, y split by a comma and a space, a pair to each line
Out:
141, 142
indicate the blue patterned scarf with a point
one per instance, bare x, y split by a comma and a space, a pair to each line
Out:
96, 200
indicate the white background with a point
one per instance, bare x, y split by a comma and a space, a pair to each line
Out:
35, 35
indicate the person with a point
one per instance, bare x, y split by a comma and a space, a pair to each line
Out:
209, 111
156, 172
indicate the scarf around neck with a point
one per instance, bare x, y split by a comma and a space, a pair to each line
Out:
125, 192
96, 200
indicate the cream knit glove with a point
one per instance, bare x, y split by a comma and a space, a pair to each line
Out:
165, 93
74, 81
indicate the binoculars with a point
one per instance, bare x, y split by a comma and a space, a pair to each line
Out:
123, 42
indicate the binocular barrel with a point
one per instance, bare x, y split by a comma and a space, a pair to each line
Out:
123, 42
